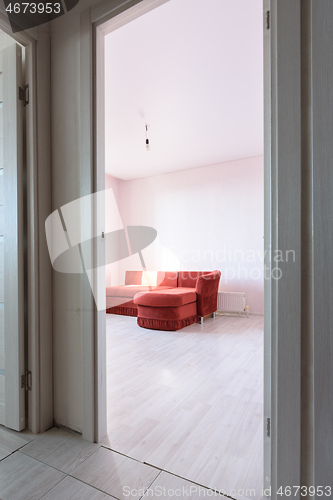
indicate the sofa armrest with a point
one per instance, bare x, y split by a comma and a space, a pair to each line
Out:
207, 287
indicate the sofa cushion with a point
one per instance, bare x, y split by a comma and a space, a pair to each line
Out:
126, 291
167, 278
119, 301
173, 297
130, 290
188, 279
133, 277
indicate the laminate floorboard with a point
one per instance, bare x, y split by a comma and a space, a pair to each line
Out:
190, 402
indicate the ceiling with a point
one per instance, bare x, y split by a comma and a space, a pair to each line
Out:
193, 71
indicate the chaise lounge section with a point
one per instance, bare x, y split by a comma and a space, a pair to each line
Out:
167, 310
194, 298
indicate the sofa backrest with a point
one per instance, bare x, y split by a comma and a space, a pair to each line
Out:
167, 278
133, 277
188, 279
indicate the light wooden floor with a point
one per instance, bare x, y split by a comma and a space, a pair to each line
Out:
190, 402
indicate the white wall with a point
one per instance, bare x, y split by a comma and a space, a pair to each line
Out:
111, 270
207, 218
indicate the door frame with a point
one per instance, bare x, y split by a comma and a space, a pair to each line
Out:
282, 168
283, 211
38, 336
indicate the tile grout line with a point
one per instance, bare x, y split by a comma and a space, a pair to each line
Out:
158, 475
52, 466
61, 480
108, 494
66, 474
168, 472
41, 462
123, 455
190, 481
95, 488
93, 453
17, 449
153, 467
80, 481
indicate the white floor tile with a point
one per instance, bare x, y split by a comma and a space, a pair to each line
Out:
72, 489
23, 478
170, 487
116, 474
60, 449
11, 441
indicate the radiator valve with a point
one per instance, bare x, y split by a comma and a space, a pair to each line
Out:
247, 309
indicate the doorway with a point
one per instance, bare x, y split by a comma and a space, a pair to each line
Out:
283, 48
131, 189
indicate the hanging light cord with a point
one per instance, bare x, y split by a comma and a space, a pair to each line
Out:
147, 140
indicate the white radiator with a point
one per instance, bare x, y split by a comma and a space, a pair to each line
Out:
231, 302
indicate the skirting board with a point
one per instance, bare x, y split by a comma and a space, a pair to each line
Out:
243, 315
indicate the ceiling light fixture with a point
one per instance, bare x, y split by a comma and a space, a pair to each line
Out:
147, 140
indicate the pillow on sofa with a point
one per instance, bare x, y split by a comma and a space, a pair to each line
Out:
133, 277
149, 278
188, 279
167, 278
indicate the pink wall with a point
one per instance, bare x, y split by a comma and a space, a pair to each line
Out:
207, 218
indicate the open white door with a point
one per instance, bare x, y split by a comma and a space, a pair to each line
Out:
12, 374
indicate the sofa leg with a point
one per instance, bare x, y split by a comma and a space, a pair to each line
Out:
214, 315
201, 320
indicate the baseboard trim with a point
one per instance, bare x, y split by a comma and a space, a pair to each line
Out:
241, 315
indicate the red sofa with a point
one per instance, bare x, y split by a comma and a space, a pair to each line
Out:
176, 301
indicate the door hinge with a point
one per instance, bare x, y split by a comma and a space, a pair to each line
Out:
24, 94
269, 427
268, 20
26, 380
